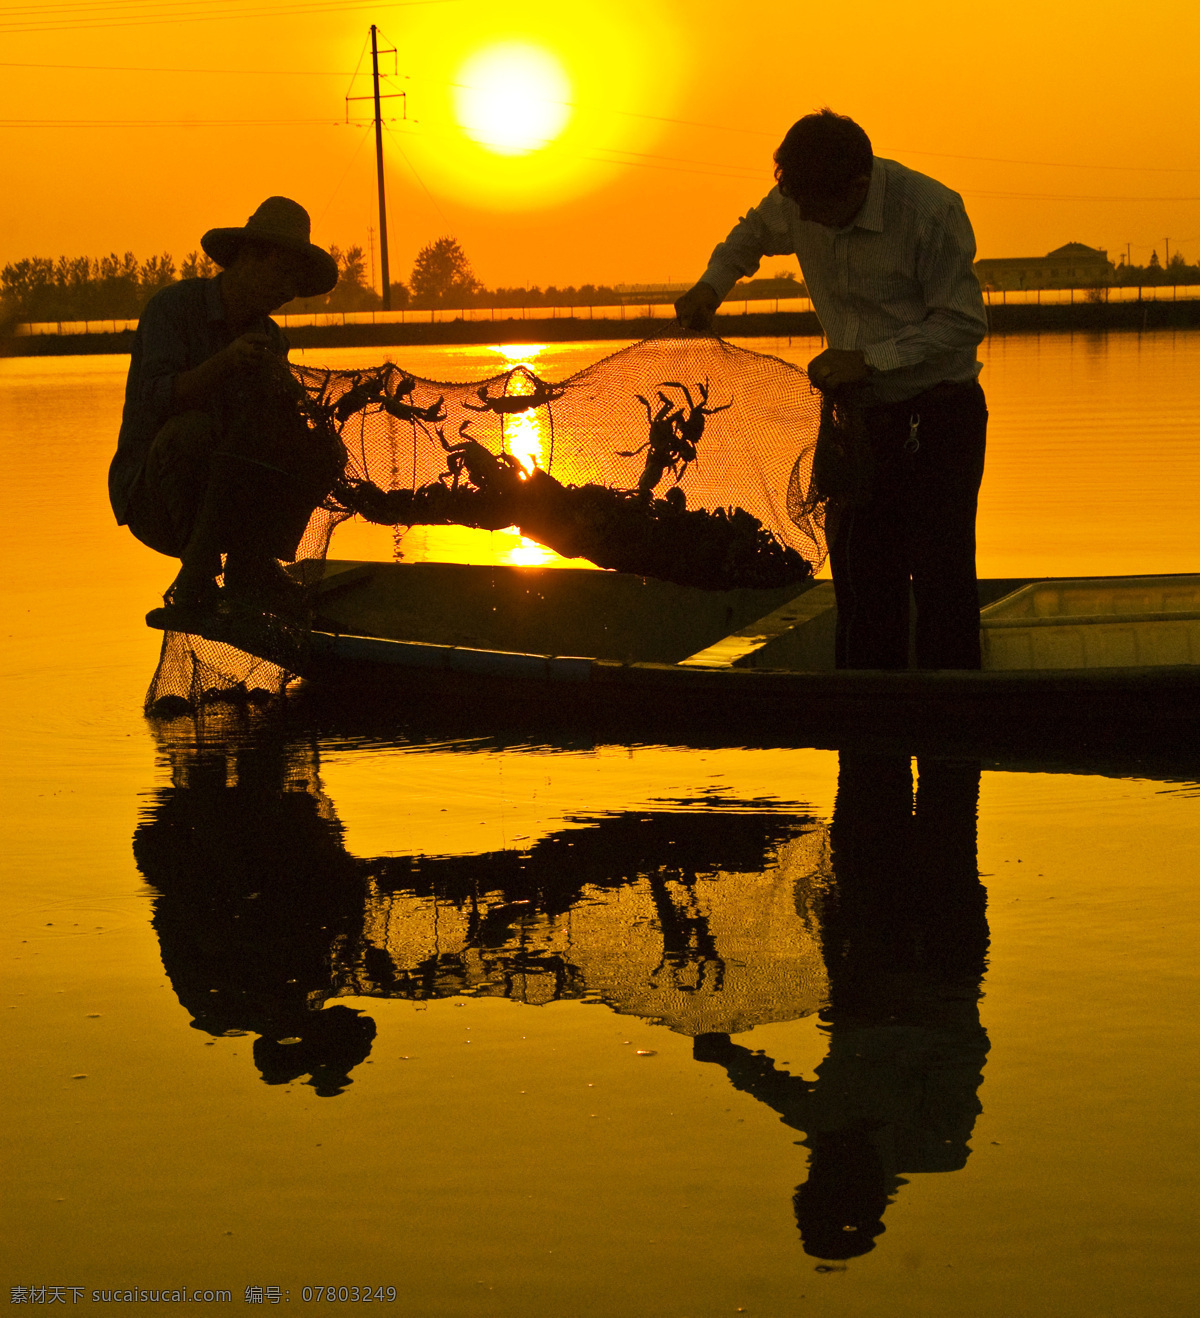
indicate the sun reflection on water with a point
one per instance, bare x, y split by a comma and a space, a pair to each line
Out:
526, 434
526, 437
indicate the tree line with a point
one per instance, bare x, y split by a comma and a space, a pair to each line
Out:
85, 288
113, 287
1155, 274
118, 287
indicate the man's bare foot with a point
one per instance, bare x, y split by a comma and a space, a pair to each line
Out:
263, 583
195, 591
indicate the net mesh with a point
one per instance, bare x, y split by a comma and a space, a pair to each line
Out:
687, 459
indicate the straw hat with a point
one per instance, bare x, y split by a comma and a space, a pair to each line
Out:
285, 223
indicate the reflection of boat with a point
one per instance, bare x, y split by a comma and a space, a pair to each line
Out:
701, 920
608, 641
707, 921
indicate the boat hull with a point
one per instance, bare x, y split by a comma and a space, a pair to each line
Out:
1155, 706
640, 659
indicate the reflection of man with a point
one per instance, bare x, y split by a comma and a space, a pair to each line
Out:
904, 933
887, 258
212, 457
259, 910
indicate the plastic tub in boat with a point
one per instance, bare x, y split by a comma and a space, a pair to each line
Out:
1132, 622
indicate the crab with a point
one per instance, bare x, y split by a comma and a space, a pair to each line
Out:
401, 406
404, 385
675, 430
664, 448
689, 424
504, 404
483, 468
361, 394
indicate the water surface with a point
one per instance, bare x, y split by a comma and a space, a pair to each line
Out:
521, 1026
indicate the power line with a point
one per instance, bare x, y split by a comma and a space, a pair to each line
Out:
60, 12
681, 165
144, 68
150, 10
362, 54
1067, 196
728, 170
404, 156
170, 123
1055, 164
625, 114
611, 156
338, 185
69, 24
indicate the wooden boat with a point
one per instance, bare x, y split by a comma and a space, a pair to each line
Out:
572, 642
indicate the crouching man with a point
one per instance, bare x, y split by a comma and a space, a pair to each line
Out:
214, 460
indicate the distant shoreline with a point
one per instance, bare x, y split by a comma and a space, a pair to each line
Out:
1028, 318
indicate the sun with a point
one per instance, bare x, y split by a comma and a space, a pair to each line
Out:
512, 98
533, 105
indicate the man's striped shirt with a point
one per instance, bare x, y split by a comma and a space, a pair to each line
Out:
896, 282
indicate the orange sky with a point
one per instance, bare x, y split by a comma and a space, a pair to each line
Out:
1056, 121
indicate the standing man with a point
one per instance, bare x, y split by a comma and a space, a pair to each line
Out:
887, 256
214, 464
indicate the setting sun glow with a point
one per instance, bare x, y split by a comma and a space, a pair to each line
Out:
512, 98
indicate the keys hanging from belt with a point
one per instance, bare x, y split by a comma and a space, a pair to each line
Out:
912, 443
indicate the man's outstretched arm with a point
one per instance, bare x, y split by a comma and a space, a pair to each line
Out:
697, 308
762, 231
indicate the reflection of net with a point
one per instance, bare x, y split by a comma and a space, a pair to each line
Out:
678, 458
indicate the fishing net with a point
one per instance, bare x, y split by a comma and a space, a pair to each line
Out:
682, 458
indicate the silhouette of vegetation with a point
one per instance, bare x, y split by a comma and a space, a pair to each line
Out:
1155, 274
82, 288
197, 266
118, 287
587, 295
442, 276
353, 291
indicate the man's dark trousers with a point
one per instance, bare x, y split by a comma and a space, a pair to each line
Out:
917, 525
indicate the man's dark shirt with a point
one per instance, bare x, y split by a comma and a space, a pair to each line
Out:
181, 327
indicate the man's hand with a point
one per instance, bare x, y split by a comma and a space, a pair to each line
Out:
248, 350
836, 367
697, 307
192, 388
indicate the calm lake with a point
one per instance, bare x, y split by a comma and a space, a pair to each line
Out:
501, 1027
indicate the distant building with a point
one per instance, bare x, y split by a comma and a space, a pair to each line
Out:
651, 292
1071, 266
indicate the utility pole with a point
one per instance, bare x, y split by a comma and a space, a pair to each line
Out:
378, 120
1167, 246
383, 251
